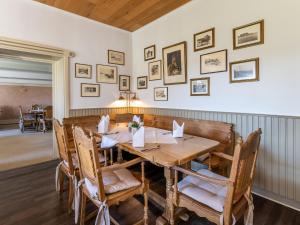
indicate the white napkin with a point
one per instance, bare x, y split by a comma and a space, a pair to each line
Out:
136, 119
177, 130
103, 124
108, 142
138, 138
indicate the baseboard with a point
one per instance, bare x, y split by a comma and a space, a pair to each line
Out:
277, 198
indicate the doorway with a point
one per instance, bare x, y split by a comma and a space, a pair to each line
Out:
58, 61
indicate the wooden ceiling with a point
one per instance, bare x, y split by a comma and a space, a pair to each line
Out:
125, 14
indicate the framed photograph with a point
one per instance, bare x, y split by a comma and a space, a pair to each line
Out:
90, 90
175, 64
200, 86
244, 71
115, 57
204, 40
124, 83
142, 82
161, 94
154, 70
149, 53
83, 71
214, 62
106, 74
248, 35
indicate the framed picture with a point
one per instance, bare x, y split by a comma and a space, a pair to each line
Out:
142, 82
154, 70
200, 86
244, 71
149, 53
90, 90
106, 74
248, 35
115, 57
213, 62
124, 83
175, 64
161, 94
83, 71
204, 40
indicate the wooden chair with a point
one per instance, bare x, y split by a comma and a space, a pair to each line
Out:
105, 186
47, 120
26, 121
220, 199
68, 165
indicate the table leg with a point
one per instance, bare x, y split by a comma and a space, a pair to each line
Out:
167, 217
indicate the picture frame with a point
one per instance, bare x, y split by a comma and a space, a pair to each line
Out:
89, 90
244, 71
200, 86
248, 35
142, 82
83, 71
213, 62
116, 57
124, 83
149, 52
204, 39
154, 70
175, 64
161, 94
106, 74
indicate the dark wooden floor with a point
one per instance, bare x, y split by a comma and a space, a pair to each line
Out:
28, 197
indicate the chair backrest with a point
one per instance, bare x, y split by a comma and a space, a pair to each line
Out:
48, 111
64, 152
243, 165
87, 153
21, 113
83, 121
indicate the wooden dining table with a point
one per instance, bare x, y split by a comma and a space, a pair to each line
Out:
168, 155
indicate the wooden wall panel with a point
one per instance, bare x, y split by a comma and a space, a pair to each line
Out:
278, 166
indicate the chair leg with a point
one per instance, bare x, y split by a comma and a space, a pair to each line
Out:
71, 196
146, 208
61, 182
82, 208
172, 220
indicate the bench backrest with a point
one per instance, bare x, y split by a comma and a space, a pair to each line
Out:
215, 130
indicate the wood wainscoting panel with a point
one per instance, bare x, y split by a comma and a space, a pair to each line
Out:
278, 165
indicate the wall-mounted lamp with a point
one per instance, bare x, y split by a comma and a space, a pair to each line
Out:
129, 97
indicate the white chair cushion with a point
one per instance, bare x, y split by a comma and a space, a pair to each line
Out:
114, 181
212, 195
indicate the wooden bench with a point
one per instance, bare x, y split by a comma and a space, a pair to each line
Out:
215, 130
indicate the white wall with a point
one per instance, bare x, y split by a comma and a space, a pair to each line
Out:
90, 40
15, 77
277, 92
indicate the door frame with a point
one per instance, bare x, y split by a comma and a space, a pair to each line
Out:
59, 58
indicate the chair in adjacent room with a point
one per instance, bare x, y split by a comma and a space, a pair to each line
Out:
26, 121
221, 200
105, 186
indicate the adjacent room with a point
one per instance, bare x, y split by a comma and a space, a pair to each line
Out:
25, 112
160, 112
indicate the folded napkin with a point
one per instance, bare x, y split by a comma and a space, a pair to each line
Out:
177, 130
103, 124
138, 137
136, 119
108, 142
